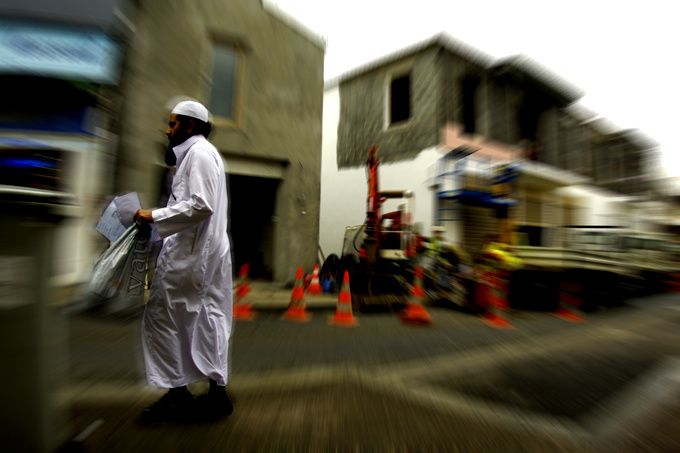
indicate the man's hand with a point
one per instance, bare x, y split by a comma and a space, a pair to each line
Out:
143, 215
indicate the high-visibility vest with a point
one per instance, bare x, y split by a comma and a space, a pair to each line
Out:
433, 247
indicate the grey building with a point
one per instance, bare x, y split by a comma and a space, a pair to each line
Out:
445, 95
541, 117
261, 76
101, 75
407, 101
622, 161
402, 102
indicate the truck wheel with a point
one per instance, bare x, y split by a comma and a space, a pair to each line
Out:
330, 270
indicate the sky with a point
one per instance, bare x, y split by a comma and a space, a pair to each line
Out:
622, 54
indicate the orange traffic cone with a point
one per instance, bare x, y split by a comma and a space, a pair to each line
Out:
314, 286
296, 309
415, 313
490, 294
343, 314
568, 303
242, 310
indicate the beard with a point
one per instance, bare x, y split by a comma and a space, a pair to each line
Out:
180, 137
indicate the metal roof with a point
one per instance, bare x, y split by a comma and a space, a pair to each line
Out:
520, 67
526, 70
442, 40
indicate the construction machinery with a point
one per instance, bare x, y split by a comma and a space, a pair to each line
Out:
382, 252
377, 253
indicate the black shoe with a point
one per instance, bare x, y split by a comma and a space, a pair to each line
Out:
213, 405
173, 407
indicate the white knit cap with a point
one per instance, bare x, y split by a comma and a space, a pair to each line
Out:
192, 109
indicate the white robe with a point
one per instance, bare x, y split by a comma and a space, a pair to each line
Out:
188, 318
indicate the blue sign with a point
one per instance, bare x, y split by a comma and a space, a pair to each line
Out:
72, 53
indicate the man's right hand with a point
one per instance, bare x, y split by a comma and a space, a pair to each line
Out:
143, 216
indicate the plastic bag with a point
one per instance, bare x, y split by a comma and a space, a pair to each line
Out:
119, 275
107, 275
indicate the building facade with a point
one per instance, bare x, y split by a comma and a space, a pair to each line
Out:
101, 77
445, 96
60, 69
261, 76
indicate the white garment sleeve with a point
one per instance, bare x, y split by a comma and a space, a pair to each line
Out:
202, 183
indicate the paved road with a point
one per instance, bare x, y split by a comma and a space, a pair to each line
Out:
611, 384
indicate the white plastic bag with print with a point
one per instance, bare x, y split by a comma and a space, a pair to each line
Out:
118, 280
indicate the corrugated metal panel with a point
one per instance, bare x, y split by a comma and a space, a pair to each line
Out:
479, 223
552, 214
552, 218
532, 212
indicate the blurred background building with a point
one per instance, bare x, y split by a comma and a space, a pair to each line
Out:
60, 67
261, 76
444, 115
87, 87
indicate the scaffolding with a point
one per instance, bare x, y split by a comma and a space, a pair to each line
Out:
461, 180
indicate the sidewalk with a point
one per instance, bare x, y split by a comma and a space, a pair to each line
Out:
263, 295
269, 295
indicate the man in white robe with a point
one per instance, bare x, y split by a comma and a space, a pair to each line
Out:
188, 318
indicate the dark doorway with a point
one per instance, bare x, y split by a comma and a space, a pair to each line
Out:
251, 211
